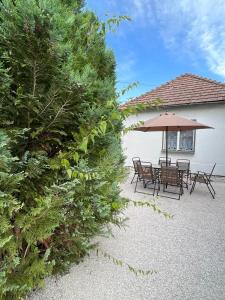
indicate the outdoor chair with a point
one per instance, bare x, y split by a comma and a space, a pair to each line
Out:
135, 161
184, 165
171, 177
162, 161
203, 177
145, 175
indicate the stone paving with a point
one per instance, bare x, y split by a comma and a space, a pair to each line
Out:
188, 253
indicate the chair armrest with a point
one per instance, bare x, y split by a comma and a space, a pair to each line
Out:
197, 173
201, 172
204, 174
193, 173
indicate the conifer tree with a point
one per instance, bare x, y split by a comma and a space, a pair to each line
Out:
60, 153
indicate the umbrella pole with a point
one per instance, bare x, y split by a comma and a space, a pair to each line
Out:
167, 146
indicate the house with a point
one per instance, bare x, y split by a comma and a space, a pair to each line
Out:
193, 97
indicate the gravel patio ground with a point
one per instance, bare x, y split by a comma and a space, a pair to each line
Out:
188, 253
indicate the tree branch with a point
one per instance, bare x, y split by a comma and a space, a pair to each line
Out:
58, 113
49, 103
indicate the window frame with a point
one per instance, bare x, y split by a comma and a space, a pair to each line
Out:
178, 143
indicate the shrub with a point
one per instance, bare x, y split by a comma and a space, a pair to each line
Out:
60, 152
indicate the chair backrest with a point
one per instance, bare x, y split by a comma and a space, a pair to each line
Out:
170, 175
162, 161
183, 163
145, 171
138, 167
213, 168
135, 162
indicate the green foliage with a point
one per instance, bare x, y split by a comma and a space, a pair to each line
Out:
60, 153
121, 263
60, 150
153, 205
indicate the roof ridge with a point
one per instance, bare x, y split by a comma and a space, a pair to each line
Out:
202, 78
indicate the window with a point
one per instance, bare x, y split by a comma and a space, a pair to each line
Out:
172, 140
186, 142
180, 140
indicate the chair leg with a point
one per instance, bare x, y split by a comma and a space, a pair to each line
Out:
210, 185
185, 179
207, 183
190, 178
212, 194
158, 189
135, 189
154, 188
193, 186
211, 189
181, 191
133, 178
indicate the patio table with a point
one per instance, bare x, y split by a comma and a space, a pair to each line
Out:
157, 167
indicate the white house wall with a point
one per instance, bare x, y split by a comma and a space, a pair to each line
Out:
209, 143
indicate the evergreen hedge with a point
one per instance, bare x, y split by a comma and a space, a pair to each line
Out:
60, 152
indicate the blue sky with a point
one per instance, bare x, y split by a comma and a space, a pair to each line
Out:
165, 39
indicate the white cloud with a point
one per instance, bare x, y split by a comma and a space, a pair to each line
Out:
198, 27
141, 10
193, 27
188, 27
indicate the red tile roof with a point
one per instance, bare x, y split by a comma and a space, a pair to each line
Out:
183, 90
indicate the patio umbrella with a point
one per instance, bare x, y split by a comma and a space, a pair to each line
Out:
170, 122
